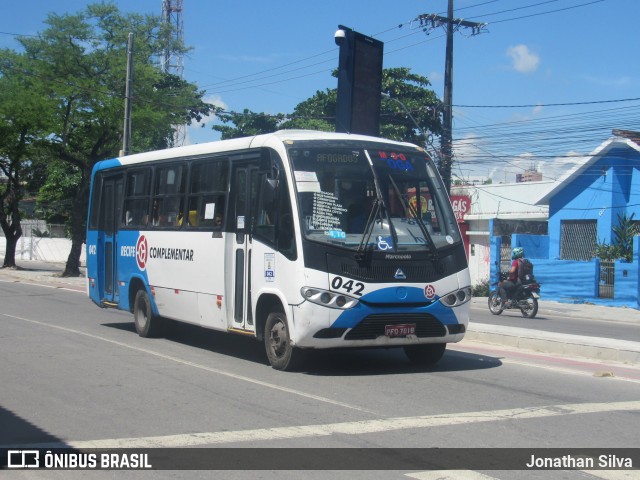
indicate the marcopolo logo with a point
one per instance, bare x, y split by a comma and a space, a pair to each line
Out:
142, 252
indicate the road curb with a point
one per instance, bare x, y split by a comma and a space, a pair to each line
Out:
592, 348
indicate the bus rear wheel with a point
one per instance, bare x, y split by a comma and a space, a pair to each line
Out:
277, 341
425, 354
147, 324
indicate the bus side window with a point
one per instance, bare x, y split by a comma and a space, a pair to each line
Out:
136, 204
285, 229
168, 201
207, 194
265, 213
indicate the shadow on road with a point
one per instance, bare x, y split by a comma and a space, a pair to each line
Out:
335, 362
20, 432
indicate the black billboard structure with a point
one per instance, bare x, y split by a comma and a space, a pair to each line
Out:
359, 82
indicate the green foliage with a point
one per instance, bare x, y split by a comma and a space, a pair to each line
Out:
69, 85
481, 289
247, 124
319, 112
622, 245
53, 201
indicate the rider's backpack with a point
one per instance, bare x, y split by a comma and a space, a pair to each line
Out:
525, 271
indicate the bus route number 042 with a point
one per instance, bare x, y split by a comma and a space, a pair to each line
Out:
339, 283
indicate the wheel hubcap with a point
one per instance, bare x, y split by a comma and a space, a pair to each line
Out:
277, 337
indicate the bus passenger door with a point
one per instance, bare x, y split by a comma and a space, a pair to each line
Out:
110, 209
245, 185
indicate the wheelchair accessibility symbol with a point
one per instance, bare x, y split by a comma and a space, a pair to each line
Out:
384, 243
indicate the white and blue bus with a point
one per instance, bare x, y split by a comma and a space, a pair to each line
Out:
301, 239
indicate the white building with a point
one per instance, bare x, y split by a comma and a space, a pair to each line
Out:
500, 210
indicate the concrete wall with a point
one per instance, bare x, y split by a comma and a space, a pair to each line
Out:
567, 280
535, 246
42, 249
479, 258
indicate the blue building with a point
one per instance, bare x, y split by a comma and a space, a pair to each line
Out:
584, 206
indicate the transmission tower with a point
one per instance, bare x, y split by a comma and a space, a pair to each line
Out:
172, 61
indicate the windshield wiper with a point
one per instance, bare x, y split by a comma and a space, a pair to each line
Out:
375, 211
368, 229
413, 211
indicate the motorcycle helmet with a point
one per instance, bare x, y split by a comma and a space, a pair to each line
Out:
517, 252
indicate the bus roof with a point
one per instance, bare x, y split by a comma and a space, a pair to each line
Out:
239, 144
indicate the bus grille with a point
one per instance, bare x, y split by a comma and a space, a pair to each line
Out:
372, 326
413, 273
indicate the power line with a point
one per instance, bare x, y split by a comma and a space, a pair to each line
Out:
563, 104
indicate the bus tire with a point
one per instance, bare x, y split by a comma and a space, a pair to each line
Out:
425, 354
147, 324
277, 341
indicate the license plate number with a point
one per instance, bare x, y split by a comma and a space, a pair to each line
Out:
400, 330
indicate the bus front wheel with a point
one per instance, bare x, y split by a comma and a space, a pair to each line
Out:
277, 341
147, 324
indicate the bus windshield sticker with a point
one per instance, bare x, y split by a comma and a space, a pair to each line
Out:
302, 176
307, 181
240, 222
270, 267
208, 211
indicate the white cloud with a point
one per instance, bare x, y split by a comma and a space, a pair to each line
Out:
616, 82
555, 168
215, 100
523, 60
435, 77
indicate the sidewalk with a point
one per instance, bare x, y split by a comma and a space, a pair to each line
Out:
616, 349
539, 340
44, 273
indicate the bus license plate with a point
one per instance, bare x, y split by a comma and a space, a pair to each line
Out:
400, 330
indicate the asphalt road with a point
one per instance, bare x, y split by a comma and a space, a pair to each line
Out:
72, 374
564, 318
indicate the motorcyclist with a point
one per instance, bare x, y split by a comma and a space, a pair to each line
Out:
512, 282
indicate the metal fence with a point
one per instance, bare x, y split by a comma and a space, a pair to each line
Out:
578, 239
607, 275
505, 253
40, 228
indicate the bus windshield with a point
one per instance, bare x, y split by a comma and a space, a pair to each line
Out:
385, 198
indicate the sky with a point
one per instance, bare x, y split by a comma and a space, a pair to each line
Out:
543, 84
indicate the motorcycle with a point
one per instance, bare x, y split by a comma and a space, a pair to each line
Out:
525, 298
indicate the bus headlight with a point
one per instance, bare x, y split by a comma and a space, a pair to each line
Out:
328, 299
457, 297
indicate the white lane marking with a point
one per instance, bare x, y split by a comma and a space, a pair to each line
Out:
197, 365
614, 474
354, 428
449, 475
555, 368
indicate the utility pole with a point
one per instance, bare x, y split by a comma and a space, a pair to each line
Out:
126, 135
429, 22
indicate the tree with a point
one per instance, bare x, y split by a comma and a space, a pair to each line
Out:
319, 112
81, 62
247, 123
21, 126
